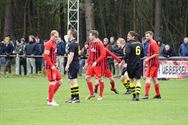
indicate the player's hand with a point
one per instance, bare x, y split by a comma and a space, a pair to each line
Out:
85, 66
125, 65
146, 60
121, 63
67, 68
94, 64
53, 68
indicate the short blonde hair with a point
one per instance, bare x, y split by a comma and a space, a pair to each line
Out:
186, 39
121, 41
53, 32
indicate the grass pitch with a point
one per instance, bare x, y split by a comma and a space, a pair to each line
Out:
23, 102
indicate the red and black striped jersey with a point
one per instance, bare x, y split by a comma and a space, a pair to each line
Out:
96, 53
50, 54
153, 49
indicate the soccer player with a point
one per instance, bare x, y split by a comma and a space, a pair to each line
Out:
72, 66
94, 64
124, 76
133, 55
107, 73
52, 72
152, 62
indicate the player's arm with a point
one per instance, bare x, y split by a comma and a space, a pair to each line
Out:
70, 56
69, 59
127, 52
113, 55
47, 55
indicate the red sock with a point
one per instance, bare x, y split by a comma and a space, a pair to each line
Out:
51, 92
90, 87
96, 86
147, 88
57, 85
101, 88
112, 83
157, 90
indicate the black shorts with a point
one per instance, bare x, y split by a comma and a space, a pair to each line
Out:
134, 72
123, 71
73, 72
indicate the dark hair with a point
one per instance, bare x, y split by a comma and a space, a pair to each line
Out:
149, 32
73, 32
94, 33
133, 33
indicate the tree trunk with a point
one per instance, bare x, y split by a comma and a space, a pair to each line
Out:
62, 26
157, 18
82, 37
8, 18
89, 16
24, 19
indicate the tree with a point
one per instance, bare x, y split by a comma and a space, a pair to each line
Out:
8, 29
89, 16
157, 18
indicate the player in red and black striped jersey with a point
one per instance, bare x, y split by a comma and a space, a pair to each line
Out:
94, 63
107, 73
152, 62
52, 72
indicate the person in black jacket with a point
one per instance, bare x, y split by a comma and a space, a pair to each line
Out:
39, 52
30, 51
60, 54
168, 52
8, 51
111, 60
1, 53
21, 52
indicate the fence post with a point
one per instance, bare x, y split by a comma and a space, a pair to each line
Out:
17, 64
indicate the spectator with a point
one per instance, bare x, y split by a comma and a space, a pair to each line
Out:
119, 51
66, 51
168, 52
8, 51
30, 51
39, 51
145, 45
183, 50
83, 56
161, 46
22, 61
111, 60
60, 54
1, 53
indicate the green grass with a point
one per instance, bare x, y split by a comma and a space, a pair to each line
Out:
23, 102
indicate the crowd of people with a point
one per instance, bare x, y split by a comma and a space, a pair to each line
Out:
31, 62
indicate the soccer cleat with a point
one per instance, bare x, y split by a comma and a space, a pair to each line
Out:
134, 97
69, 100
52, 103
90, 96
95, 91
146, 97
75, 100
115, 91
157, 97
128, 92
137, 97
99, 98
48, 99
